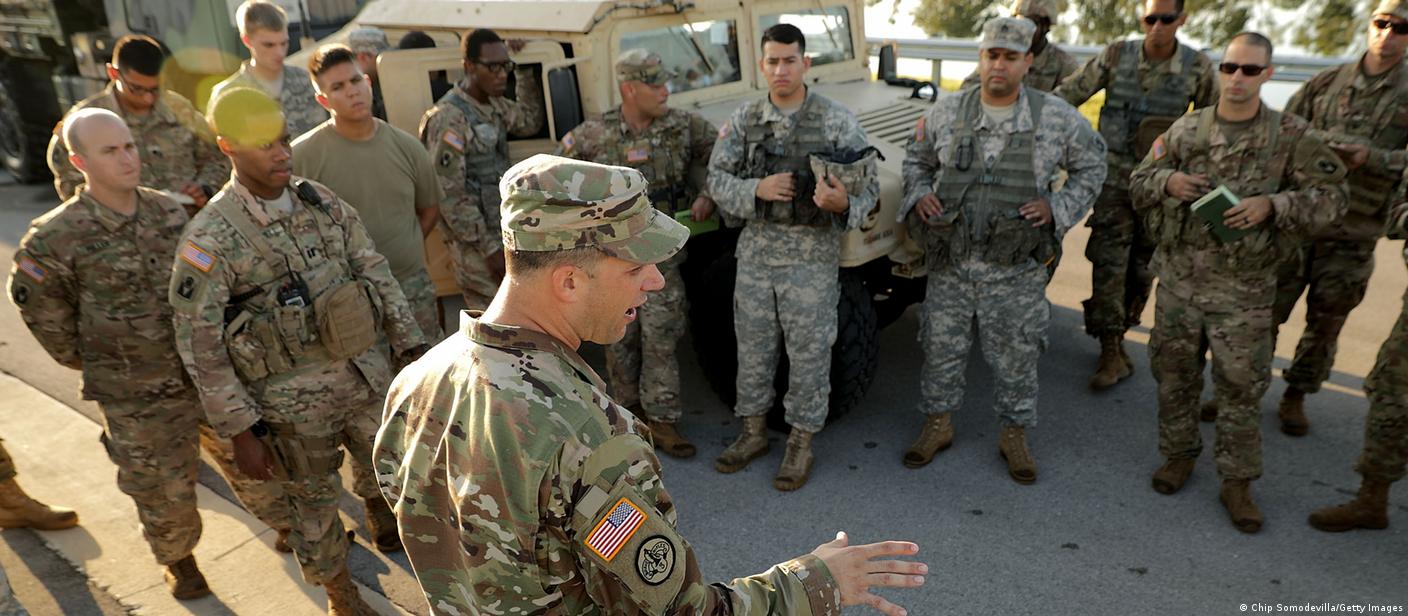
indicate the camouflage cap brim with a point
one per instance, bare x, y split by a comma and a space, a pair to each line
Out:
1396, 8
659, 239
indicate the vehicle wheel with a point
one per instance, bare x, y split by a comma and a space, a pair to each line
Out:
22, 140
709, 274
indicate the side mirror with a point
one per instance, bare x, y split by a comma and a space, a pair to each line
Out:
566, 102
888, 70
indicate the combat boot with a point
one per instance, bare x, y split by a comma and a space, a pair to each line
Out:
281, 542
343, 598
1368, 510
936, 436
1208, 412
796, 463
1292, 413
1236, 496
185, 580
751, 444
669, 440
1113, 368
1173, 474
381, 524
1012, 446
18, 510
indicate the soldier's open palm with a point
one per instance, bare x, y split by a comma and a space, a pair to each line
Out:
857, 570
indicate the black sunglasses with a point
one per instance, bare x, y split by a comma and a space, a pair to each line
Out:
1166, 18
1250, 70
507, 66
1399, 27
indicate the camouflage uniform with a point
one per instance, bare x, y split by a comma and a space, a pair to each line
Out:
7, 464
298, 99
984, 260
173, 138
1386, 427
1343, 105
1119, 249
256, 359
468, 143
87, 282
570, 516
673, 155
1218, 293
788, 253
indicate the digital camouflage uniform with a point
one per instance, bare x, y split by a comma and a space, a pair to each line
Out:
985, 261
173, 139
253, 359
468, 143
298, 99
1220, 294
557, 504
673, 155
1386, 427
1333, 268
1135, 89
89, 284
789, 252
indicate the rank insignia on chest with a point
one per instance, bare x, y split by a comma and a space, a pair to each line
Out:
615, 529
32, 269
454, 140
197, 257
635, 155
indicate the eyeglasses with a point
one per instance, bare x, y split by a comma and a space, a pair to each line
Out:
505, 67
1398, 27
137, 90
1250, 70
1165, 18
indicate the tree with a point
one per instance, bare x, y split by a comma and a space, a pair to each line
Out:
953, 18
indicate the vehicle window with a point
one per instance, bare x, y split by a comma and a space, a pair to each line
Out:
828, 32
700, 54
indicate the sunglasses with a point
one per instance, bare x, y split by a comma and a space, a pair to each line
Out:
1250, 70
505, 67
1165, 18
137, 90
1399, 27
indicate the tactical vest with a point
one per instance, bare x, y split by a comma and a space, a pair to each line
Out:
482, 170
1369, 193
768, 153
1127, 105
982, 202
298, 318
663, 167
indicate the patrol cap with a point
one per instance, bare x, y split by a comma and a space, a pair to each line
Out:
552, 203
1037, 8
1397, 8
246, 116
1013, 33
642, 65
368, 39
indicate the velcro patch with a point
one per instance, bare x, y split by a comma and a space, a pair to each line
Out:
34, 270
567, 142
454, 140
637, 155
198, 257
615, 529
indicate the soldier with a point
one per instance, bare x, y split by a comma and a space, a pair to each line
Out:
671, 148
277, 293
1386, 427
789, 251
989, 230
1358, 108
1216, 292
1148, 83
1051, 65
264, 31
568, 514
19, 510
178, 151
467, 135
88, 282
369, 42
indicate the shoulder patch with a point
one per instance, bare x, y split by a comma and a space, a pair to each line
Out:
636, 155
919, 129
197, 257
453, 139
32, 269
1159, 150
568, 141
615, 528
655, 560
725, 129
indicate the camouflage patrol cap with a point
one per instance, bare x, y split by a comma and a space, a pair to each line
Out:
642, 65
247, 117
1397, 8
368, 39
552, 203
1013, 33
1037, 8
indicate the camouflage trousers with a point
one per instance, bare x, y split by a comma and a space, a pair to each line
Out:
1386, 428
642, 367
1334, 275
1008, 304
1186, 325
1119, 251
471, 272
7, 464
9, 605
156, 445
793, 305
419, 290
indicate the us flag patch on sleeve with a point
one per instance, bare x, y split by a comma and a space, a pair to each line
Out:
615, 529
32, 269
919, 130
197, 257
453, 139
568, 142
1159, 150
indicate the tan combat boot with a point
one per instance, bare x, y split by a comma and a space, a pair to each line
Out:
18, 510
1012, 446
669, 440
185, 580
1173, 474
343, 598
1236, 496
796, 463
281, 542
1208, 412
1368, 510
936, 436
1292, 413
1112, 368
381, 524
751, 444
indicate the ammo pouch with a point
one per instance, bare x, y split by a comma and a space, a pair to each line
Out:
298, 457
1013, 240
255, 347
1149, 130
347, 319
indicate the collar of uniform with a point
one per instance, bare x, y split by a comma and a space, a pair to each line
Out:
1022, 120
772, 114
1172, 67
159, 111
254, 205
1388, 79
1220, 138
509, 337
111, 220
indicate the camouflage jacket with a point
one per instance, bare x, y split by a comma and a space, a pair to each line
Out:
471, 157
781, 244
1050, 68
214, 264
174, 141
298, 99
672, 154
90, 284
520, 487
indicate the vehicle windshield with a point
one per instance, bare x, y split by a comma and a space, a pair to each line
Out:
700, 54
828, 32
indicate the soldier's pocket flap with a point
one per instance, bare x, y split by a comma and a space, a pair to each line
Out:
628, 540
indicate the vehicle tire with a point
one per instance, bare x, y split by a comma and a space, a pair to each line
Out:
25, 125
709, 274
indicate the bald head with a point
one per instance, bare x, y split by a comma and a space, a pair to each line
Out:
101, 146
86, 121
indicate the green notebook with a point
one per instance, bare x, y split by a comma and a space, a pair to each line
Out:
1212, 206
695, 228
